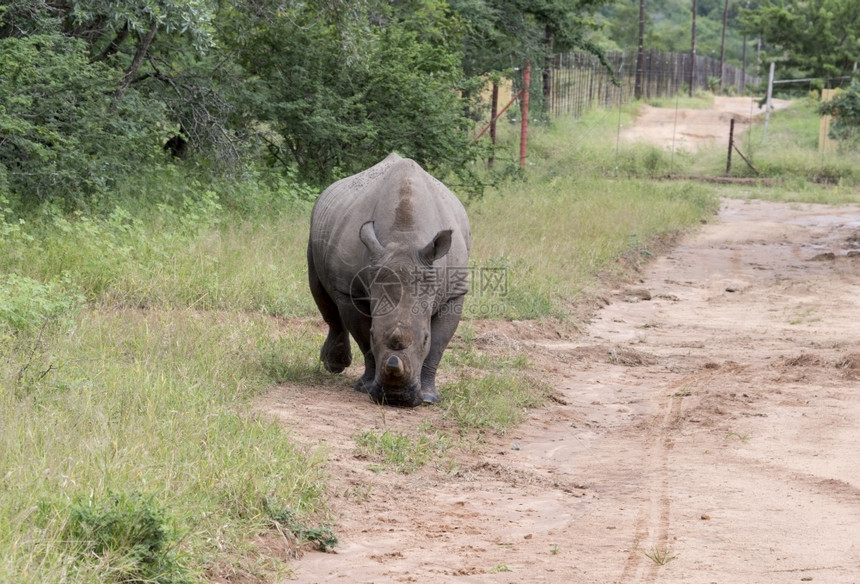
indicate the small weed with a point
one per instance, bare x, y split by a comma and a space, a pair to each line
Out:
360, 493
745, 438
554, 549
802, 316
660, 555
500, 568
323, 537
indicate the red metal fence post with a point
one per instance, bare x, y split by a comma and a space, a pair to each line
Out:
525, 114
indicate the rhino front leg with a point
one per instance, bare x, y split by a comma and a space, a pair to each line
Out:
335, 353
358, 324
442, 327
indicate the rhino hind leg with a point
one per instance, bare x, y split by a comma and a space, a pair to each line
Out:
335, 353
442, 328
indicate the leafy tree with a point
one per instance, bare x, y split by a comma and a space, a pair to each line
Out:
667, 27
340, 85
845, 109
817, 38
91, 90
503, 34
165, 49
62, 135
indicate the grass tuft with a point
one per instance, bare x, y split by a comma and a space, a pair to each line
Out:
660, 555
399, 451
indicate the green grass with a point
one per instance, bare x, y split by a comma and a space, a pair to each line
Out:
701, 100
788, 153
127, 403
188, 252
400, 451
490, 391
573, 216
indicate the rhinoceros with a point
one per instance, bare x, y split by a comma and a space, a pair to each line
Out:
388, 258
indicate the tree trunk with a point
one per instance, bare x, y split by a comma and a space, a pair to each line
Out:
640, 55
723, 44
693, 50
547, 70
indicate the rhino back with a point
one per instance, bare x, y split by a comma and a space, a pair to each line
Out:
402, 200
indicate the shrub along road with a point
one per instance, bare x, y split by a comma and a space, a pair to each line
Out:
703, 429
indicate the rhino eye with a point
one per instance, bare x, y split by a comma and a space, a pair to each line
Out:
426, 338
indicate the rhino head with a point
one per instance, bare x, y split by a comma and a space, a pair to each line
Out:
403, 294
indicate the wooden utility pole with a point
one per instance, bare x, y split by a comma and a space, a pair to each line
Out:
640, 55
723, 44
693, 49
524, 127
493, 114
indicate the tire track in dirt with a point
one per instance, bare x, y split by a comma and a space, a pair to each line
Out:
651, 529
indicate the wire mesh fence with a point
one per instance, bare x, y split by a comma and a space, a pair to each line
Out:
580, 81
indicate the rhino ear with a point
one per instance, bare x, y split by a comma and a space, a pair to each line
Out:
367, 235
436, 248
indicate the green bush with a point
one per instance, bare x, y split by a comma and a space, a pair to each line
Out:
125, 538
65, 138
27, 305
845, 109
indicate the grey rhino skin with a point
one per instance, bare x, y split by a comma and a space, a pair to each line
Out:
387, 263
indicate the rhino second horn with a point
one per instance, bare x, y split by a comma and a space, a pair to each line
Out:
400, 339
394, 366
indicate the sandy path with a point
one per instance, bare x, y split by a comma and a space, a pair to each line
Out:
716, 425
691, 129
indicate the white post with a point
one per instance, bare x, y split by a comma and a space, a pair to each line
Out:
769, 94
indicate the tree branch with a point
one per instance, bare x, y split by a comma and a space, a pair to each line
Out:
142, 49
113, 47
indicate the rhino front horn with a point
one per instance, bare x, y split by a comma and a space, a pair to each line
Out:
394, 366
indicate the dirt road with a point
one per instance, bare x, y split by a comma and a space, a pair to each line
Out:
709, 434
691, 129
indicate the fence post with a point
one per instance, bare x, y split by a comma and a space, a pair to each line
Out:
524, 128
731, 145
494, 108
769, 94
